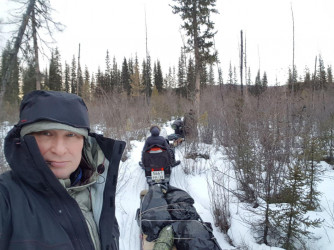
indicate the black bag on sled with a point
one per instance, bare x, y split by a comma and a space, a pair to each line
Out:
193, 235
154, 212
180, 204
175, 207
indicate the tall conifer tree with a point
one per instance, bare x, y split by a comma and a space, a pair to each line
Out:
74, 79
182, 74
11, 94
67, 78
125, 77
55, 71
86, 85
199, 28
191, 78
107, 83
28, 78
158, 78
136, 86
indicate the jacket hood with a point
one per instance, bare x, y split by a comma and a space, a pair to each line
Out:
26, 161
53, 106
155, 131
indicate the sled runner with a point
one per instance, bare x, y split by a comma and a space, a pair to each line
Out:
168, 220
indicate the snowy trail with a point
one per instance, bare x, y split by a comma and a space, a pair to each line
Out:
132, 181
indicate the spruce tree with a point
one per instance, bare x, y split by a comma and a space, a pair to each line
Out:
146, 76
169, 79
220, 76
86, 85
158, 78
136, 87
321, 74
99, 89
230, 76
182, 75
125, 78
307, 78
55, 71
67, 78
204, 76
292, 80
264, 82
45, 84
249, 78
74, 79
211, 79
116, 77
329, 75
291, 218
107, 84
11, 94
80, 80
200, 30
92, 85
28, 78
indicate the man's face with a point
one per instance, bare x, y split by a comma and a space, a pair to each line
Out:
61, 150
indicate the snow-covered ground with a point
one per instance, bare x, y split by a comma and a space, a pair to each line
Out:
132, 181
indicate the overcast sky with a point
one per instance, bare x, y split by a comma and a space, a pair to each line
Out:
119, 26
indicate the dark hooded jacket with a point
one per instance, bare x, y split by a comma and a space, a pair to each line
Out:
155, 139
178, 127
36, 211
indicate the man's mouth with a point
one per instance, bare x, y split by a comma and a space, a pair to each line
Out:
57, 164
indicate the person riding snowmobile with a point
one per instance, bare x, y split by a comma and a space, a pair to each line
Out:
156, 139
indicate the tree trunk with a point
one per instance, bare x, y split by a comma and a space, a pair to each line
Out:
197, 63
34, 33
241, 63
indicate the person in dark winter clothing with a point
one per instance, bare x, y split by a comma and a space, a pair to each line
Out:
60, 191
178, 127
155, 139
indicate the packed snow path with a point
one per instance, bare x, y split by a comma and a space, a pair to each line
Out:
132, 181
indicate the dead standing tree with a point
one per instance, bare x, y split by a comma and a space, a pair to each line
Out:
36, 16
241, 62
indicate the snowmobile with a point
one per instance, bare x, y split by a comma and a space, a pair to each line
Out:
157, 163
168, 220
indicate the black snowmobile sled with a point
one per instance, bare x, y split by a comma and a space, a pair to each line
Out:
157, 163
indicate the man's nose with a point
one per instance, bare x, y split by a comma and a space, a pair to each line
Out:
59, 146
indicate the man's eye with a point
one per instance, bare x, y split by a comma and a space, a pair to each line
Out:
72, 135
46, 133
